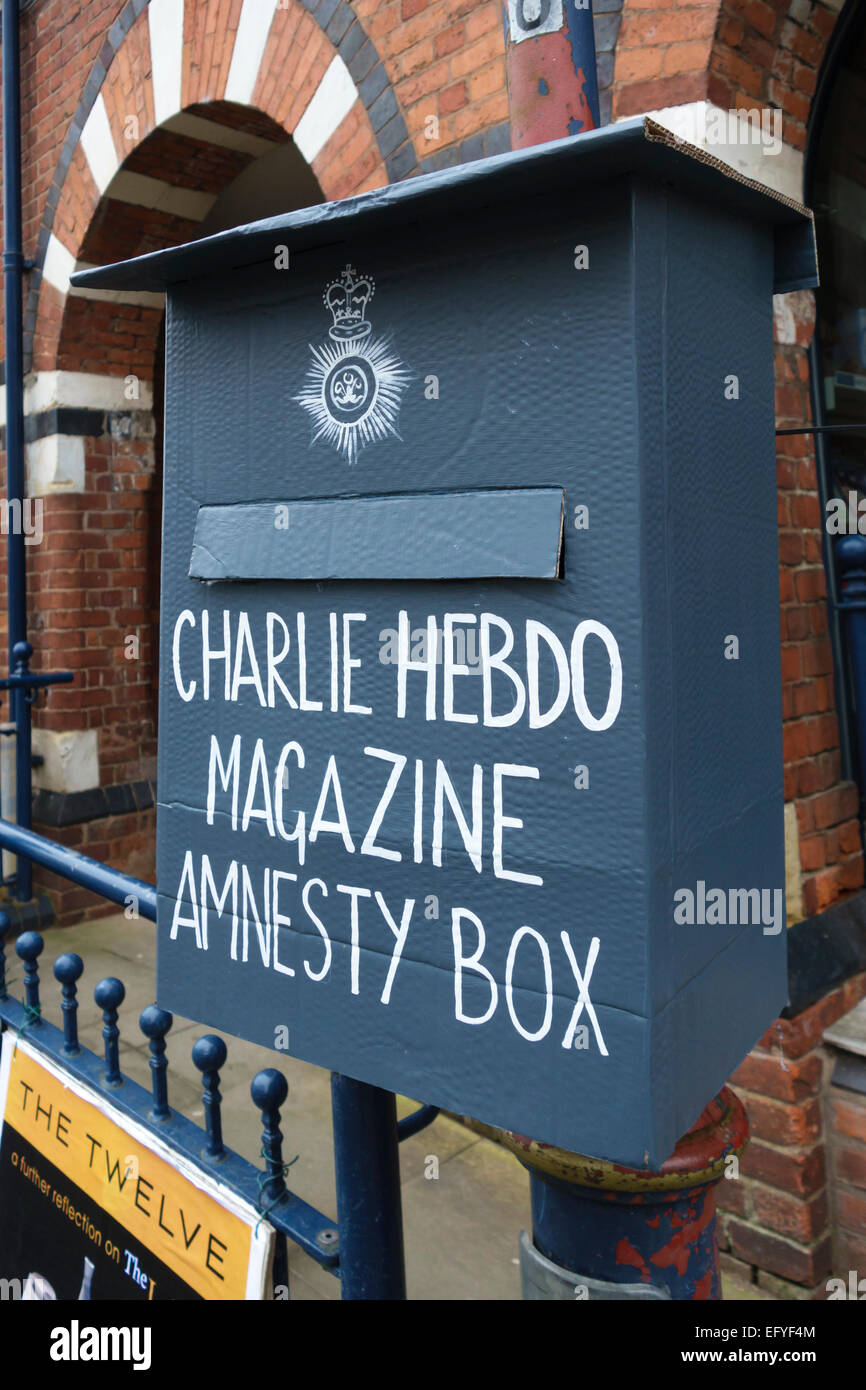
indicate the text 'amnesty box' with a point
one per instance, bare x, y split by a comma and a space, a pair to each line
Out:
470, 750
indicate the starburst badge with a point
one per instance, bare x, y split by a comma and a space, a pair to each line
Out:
355, 381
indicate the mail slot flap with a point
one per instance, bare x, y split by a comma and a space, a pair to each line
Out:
510, 533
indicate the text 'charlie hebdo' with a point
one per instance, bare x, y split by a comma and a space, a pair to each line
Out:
527, 674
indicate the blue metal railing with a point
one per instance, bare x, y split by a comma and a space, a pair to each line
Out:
364, 1249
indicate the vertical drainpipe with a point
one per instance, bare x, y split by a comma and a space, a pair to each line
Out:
13, 272
602, 1231
550, 69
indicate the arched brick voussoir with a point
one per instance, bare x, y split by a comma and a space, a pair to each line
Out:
333, 96
76, 208
314, 71
351, 158
77, 205
48, 328
209, 34
128, 90
287, 80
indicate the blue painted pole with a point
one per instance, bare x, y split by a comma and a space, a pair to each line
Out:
13, 271
80, 868
369, 1210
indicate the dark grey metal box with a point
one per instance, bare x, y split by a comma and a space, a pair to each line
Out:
519, 851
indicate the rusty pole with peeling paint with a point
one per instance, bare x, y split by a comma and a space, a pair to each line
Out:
551, 73
600, 1230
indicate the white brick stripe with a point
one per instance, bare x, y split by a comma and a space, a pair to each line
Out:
144, 298
83, 390
331, 102
55, 464
165, 26
146, 192
214, 133
97, 143
253, 28
58, 265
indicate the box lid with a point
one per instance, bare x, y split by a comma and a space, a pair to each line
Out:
639, 146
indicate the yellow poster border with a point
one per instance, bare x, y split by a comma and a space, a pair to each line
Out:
214, 1240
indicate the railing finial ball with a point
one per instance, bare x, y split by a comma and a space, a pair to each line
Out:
29, 945
68, 968
110, 993
209, 1053
269, 1089
851, 552
155, 1022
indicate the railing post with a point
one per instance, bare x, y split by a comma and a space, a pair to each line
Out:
154, 1024
5, 924
29, 947
269, 1090
369, 1210
109, 995
68, 970
209, 1055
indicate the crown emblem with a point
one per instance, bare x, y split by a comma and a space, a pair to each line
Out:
347, 298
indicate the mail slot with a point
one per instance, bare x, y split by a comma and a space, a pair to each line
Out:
513, 533
470, 777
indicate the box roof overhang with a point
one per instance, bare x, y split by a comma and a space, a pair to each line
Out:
639, 146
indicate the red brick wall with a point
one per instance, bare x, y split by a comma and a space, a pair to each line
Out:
847, 1135
831, 853
737, 53
776, 1218
445, 58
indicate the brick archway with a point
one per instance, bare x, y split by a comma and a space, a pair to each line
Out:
162, 67
185, 98
733, 53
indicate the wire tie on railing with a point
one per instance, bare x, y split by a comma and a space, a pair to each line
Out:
32, 1014
264, 1178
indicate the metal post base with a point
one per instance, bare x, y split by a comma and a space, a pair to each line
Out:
628, 1225
541, 1279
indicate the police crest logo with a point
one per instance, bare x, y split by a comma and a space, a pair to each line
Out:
355, 381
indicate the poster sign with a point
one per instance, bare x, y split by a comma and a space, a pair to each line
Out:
470, 784
93, 1206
